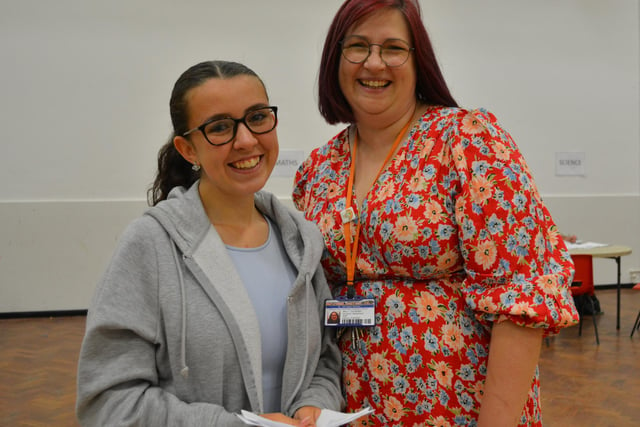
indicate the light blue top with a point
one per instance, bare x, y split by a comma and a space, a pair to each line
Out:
268, 275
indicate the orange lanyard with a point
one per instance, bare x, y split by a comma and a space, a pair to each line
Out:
352, 248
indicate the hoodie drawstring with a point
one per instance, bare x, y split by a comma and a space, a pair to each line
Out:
183, 335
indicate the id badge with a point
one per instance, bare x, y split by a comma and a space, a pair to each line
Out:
350, 312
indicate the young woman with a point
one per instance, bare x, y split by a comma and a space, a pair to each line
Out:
213, 301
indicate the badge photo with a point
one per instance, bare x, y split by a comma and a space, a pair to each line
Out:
343, 312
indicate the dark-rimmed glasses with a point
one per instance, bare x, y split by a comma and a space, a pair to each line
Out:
393, 52
221, 131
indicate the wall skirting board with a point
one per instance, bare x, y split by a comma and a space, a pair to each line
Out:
40, 314
52, 253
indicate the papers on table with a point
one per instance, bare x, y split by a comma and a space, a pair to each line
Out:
584, 245
327, 418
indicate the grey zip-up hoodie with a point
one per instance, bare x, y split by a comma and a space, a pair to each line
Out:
172, 338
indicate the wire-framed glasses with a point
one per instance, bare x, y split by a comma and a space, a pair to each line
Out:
221, 131
393, 52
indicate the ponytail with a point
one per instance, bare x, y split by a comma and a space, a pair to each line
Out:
173, 171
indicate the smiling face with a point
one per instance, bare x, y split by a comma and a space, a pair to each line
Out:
376, 92
241, 167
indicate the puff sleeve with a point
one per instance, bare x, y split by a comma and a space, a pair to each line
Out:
516, 264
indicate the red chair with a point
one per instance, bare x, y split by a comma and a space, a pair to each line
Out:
583, 289
636, 326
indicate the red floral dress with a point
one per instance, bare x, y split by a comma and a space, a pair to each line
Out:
454, 237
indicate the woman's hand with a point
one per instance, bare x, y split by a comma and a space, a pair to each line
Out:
308, 413
300, 422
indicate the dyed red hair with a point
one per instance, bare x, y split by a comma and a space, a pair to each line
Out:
431, 87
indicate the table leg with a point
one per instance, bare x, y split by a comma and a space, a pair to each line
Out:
618, 296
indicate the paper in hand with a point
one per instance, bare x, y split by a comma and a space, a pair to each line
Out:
327, 418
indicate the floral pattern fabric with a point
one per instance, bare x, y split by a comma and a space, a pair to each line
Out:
454, 237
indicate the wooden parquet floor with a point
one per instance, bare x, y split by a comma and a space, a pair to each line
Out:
38, 361
583, 384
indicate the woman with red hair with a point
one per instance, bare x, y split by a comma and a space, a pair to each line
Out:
429, 210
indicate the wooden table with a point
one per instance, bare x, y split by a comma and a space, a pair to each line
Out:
614, 252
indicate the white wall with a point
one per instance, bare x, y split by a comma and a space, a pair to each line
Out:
85, 88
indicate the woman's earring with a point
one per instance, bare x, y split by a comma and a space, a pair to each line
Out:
195, 167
